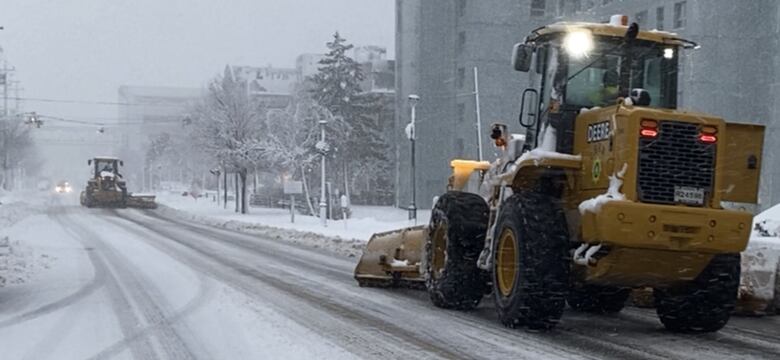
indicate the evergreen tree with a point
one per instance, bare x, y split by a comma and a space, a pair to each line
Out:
361, 149
337, 83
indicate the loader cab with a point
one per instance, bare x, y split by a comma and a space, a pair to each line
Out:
105, 166
575, 67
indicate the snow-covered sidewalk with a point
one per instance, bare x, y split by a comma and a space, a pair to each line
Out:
365, 221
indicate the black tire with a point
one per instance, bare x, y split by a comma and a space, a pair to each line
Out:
533, 291
706, 303
88, 200
123, 201
597, 299
456, 236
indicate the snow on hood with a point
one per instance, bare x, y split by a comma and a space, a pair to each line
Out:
106, 174
613, 194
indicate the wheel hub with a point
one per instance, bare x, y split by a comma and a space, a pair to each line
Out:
439, 255
506, 262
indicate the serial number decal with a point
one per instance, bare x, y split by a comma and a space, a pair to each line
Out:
598, 131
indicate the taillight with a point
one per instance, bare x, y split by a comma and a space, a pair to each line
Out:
707, 134
649, 128
710, 139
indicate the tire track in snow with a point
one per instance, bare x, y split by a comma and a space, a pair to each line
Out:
746, 341
351, 328
98, 281
128, 321
568, 341
142, 320
573, 334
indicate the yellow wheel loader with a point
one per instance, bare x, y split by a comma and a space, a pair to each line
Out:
611, 188
107, 189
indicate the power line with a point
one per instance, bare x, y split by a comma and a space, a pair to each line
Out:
88, 102
110, 124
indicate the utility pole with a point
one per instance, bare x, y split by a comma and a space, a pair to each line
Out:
5, 88
411, 134
322, 147
479, 119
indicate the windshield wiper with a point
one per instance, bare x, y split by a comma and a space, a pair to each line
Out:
604, 55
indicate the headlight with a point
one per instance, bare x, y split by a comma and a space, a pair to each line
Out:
578, 43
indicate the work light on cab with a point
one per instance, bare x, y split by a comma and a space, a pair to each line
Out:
578, 43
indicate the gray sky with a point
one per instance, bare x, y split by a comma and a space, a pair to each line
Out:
85, 49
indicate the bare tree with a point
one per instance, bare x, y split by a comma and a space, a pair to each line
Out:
15, 145
228, 124
291, 137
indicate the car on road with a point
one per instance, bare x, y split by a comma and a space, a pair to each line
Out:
63, 187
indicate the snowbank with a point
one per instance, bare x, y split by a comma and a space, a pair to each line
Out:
17, 260
760, 285
347, 239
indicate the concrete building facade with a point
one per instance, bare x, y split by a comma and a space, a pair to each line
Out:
149, 111
438, 45
438, 42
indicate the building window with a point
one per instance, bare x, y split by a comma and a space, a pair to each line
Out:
641, 19
577, 7
659, 18
461, 42
560, 9
538, 7
679, 15
460, 147
461, 8
461, 112
606, 2
461, 77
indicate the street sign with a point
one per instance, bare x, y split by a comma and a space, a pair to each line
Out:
293, 187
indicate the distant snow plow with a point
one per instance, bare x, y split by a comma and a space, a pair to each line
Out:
142, 201
631, 193
107, 189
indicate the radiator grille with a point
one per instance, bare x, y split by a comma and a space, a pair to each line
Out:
675, 157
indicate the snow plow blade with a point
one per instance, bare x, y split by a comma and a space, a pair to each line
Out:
141, 201
392, 259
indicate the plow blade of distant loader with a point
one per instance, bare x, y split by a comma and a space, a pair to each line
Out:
392, 259
141, 201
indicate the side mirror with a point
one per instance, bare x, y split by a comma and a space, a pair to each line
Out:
121, 163
89, 162
521, 57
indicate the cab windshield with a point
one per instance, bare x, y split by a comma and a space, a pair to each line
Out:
593, 80
105, 165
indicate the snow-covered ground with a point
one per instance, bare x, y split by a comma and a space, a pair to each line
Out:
95, 291
365, 221
760, 289
145, 284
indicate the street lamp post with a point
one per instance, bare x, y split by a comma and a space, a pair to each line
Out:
411, 134
322, 147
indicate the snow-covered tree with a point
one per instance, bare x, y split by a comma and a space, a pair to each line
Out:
228, 125
290, 144
15, 145
337, 83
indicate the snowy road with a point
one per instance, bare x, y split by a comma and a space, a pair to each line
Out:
132, 284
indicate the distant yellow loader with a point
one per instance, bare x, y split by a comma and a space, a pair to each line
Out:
106, 188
